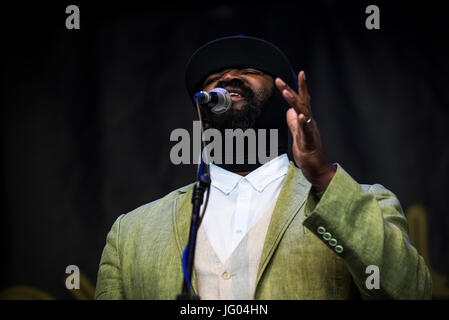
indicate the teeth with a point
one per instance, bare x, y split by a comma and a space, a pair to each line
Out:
234, 94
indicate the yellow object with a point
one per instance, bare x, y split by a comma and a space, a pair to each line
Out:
417, 220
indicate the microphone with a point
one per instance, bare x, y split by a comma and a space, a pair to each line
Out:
217, 100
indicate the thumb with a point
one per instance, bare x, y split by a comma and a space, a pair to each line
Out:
293, 122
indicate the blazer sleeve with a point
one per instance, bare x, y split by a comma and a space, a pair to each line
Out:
109, 280
368, 227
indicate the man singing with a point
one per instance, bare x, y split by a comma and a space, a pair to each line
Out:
300, 229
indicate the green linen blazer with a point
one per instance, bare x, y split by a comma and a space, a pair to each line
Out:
142, 255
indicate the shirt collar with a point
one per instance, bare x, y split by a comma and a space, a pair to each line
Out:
226, 180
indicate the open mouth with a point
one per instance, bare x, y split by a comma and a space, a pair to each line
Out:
235, 94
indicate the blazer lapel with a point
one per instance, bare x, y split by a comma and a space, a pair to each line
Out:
182, 213
292, 196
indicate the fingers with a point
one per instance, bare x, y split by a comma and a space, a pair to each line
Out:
301, 130
307, 136
292, 122
302, 88
300, 100
289, 95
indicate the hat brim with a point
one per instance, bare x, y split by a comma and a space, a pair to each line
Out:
237, 52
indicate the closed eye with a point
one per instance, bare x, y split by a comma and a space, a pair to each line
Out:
209, 81
251, 71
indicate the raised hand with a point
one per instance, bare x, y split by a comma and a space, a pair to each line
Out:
308, 150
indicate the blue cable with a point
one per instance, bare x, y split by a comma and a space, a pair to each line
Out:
201, 166
184, 267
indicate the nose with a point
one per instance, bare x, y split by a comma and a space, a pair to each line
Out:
229, 75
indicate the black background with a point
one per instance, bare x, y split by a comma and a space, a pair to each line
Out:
87, 114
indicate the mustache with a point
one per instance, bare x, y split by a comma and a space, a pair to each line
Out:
237, 85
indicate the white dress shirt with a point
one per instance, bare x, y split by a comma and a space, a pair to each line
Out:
236, 203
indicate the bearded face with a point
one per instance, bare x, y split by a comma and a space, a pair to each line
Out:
250, 90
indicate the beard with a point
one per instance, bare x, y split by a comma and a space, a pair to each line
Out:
263, 109
243, 118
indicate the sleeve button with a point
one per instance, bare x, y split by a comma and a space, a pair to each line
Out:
338, 249
332, 242
321, 230
327, 236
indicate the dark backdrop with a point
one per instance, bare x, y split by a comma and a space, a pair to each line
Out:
87, 115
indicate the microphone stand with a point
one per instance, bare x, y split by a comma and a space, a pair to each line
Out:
201, 186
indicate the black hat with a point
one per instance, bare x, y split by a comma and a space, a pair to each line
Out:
237, 52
